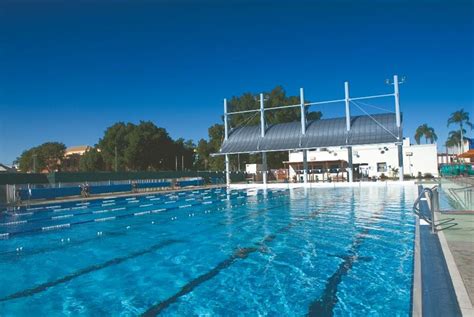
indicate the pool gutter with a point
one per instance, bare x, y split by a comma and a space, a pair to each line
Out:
417, 302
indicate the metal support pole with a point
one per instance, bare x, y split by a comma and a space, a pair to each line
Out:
348, 114
305, 166
226, 134
303, 132
303, 112
264, 168
262, 117
262, 133
399, 128
350, 170
227, 170
348, 129
226, 125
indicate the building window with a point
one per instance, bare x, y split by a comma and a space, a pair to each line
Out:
381, 167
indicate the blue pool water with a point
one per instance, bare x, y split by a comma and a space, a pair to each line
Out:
319, 252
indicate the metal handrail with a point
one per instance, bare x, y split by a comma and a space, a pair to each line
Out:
417, 210
433, 205
467, 191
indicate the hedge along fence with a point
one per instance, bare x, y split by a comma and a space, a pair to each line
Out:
81, 177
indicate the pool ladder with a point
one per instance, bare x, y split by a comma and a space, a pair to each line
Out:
432, 197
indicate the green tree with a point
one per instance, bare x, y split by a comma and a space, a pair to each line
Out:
113, 145
47, 156
216, 136
91, 161
51, 154
454, 139
202, 151
148, 148
460, 117
427, 132
29, 161
184, 153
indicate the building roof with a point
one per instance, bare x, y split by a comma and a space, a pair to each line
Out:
467, 154
6, 169
77, 149
374, 129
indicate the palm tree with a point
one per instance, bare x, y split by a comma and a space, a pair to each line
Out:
454, 138
461, 117
425, 131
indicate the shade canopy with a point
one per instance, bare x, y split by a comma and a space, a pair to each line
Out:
373, 129
469, 154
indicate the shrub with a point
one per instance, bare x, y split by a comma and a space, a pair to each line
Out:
428, 175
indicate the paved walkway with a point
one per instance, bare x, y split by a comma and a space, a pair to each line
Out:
460, 240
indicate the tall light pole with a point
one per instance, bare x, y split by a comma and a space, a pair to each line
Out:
399, 126
34, 162
116, 159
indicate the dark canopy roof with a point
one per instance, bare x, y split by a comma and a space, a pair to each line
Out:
319, 133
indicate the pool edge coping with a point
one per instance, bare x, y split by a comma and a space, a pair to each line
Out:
462, 296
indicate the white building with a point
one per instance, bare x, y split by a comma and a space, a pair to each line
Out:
369, 161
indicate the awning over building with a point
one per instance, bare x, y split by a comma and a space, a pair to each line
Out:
374, 129
468, 154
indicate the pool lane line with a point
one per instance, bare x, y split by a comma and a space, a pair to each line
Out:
68, 225
42, 287
98, 201
101, 203
67, 278
15, 253
60, 217
279, 194
324, 305
121, 204
239, 254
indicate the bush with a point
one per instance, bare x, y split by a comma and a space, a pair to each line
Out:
383, 177
428, 175
419, 176
407, 176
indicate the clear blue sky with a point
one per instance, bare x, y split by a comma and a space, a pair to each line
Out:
69, 70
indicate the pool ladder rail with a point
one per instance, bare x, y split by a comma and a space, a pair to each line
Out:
432, 197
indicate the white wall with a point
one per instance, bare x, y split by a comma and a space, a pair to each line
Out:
253, 168
423, 157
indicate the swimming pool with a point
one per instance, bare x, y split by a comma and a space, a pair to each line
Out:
324, 252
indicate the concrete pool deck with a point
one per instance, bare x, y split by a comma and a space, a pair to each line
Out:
458, 246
